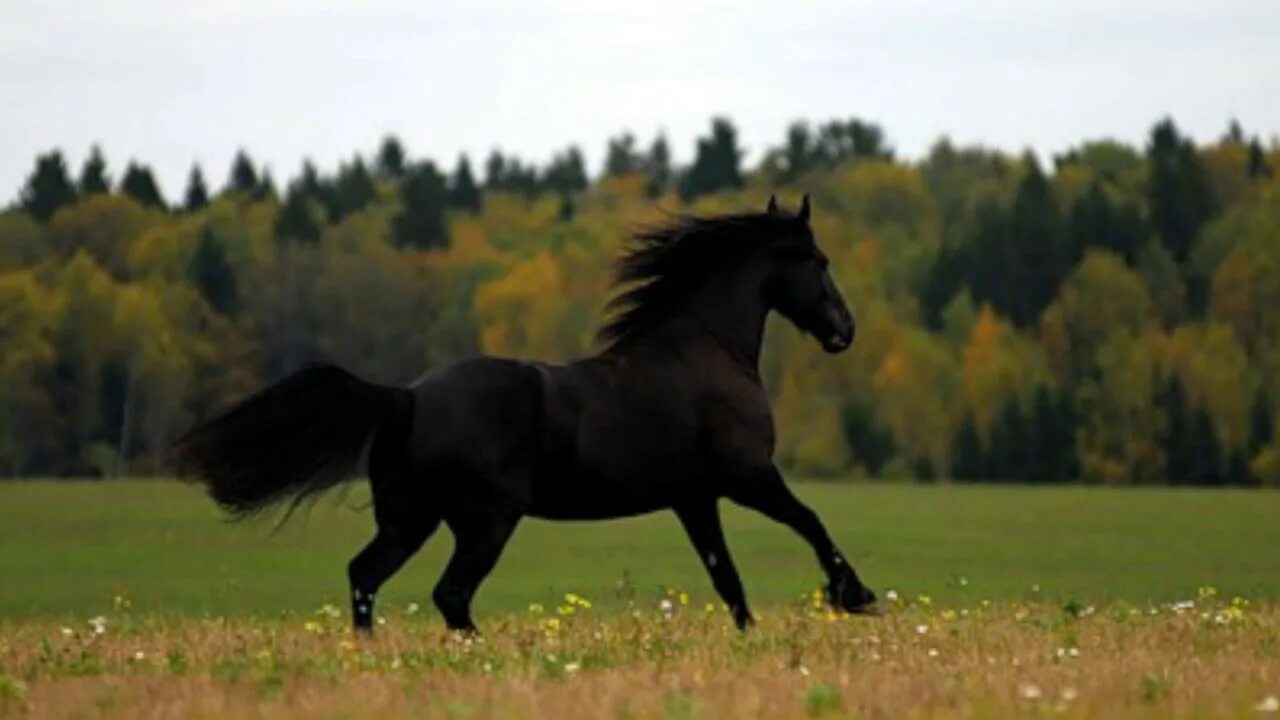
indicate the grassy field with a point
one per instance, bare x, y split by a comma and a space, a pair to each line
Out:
136, 599
70, 548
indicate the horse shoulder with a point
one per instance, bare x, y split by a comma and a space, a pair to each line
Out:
736, 419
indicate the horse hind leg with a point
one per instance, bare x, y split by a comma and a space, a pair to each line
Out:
390, 548
477, 545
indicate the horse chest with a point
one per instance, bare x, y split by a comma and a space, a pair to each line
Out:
739, 427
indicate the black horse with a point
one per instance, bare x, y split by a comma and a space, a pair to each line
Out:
670, 414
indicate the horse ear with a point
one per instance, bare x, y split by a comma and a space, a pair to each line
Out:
803, 215
772, 209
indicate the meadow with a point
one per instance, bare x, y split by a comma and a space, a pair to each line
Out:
124, 599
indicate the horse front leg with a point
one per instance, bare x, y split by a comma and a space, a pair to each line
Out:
701, 520
767, 493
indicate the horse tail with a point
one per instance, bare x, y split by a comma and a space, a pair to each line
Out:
294, 439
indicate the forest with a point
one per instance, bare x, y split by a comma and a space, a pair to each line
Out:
1106, 316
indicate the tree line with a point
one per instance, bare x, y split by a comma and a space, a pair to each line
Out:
1107, 317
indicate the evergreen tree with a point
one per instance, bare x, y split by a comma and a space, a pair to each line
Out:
464, 194
1237, 470
308, 181
391, 158
354, 189
992, 273
211, 274
1179, 194
420, 224
838, 142
197, 195
1095, 222
968, 461
93, 175
945, 277
266, 189
716, 166
139, 184
567, 173
1234, 134
620, 156
799, 153
1177, 435
1205, 452
567, 209
1041, 258
495, 172
1257, 161
1011, 452
521, 178
657, 167
244, 176
48, 188
871, 444
1054, 426
1262, 429
297, 220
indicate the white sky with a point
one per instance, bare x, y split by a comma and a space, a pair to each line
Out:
172, 81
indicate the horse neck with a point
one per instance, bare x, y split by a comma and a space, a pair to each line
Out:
732, 311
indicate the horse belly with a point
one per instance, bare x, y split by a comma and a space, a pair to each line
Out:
625, 482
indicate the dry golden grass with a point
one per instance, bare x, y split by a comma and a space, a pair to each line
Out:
1208, 658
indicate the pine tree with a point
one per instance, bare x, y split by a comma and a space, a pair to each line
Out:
266, 189
1041, 258
716, 165
620, 156
48, 188
1179, 195
212, 275
1205, 452
354, 189
871, 444
1262, 429
391, 158
799, 153
1177, 435
420, 224
197, 195
463, 192
657, 167
93, 175
968, 462
296, 221
1010, 453
495, 172
1095, 222
1054, 426
139, 184
567, 173
1257, 162
244, 176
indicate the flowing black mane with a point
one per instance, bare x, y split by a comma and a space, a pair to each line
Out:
666, 262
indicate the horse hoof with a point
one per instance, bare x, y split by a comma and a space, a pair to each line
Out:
870, 609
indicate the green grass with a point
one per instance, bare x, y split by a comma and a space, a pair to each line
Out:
71, 547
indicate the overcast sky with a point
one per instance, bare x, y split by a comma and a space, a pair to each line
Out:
172, 82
